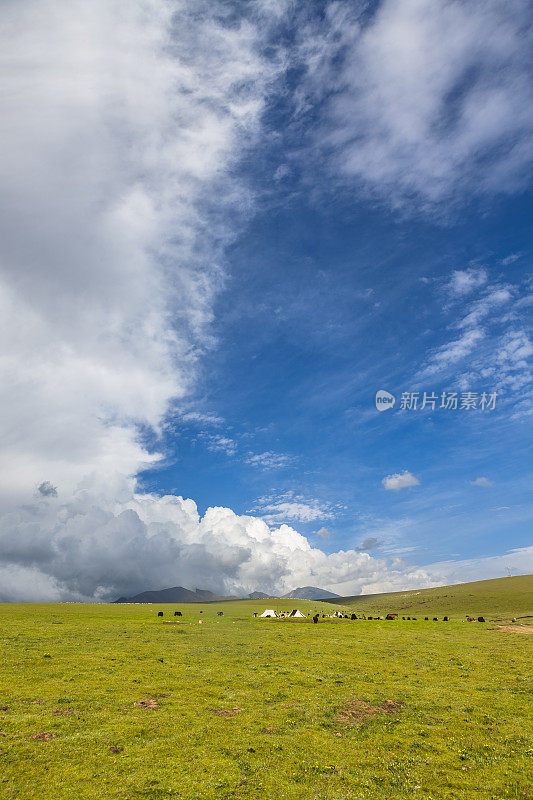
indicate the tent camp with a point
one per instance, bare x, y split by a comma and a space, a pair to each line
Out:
296, 613
269, 612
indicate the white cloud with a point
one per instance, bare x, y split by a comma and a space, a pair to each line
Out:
119, 134
482, 482
401, 480
510, 259
449, 572
201, 418
108, 541
222, 443
450, 353
127, 542
493, 349
425, 101
290, 507
270, 460
481, 308
464, 281
282, 172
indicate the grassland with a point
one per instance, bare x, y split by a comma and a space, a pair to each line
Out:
499, 597
127, 706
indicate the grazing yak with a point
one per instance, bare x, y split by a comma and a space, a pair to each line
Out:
177, 613
220, 613
159, 613
315, 619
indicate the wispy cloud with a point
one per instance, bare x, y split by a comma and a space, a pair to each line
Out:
201, 418
424, 102
452, 352
290, 507
478, 310
223, 444
270, 460
493, 348
463, 281
481, 481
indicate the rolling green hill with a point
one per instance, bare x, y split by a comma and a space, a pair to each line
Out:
500, 597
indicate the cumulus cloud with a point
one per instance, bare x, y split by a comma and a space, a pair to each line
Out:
108, 541
425, 101
119, 139
482, 482
400, 480
125, 542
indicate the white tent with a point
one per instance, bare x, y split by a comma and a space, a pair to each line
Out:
269, 612
296, 613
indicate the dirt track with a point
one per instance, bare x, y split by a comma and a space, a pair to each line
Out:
516, 628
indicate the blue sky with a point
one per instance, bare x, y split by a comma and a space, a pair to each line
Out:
225, 227
323, 307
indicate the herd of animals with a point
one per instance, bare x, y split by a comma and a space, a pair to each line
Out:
338, 615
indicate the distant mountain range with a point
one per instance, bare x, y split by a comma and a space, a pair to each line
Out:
310, 593
178, 594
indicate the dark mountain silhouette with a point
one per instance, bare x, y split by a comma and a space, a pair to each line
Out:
177, 594
309, 593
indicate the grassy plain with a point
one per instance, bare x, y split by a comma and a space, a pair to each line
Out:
499, 597
109, 701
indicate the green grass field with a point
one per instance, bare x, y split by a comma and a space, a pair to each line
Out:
247, 708
500, 597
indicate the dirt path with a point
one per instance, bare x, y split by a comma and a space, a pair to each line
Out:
516, 628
